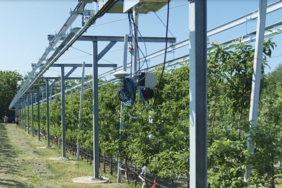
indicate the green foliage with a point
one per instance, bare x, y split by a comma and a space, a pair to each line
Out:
9, 85
159, 138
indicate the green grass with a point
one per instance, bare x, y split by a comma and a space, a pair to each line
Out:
35, 169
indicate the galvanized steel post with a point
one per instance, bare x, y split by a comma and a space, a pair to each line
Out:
63, 112
38, 113
198, 93
27, 115
95, 111
47, 113
256, 78
80, 108
32, 118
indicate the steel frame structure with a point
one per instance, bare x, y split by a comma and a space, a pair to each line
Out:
198, 33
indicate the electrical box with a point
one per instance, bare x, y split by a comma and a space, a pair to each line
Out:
85, 1
148, 80
144, 6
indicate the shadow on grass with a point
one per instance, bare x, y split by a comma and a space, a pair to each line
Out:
8, 163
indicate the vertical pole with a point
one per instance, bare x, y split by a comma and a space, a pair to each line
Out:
63, 112
47, 113
95, 111
27, 115
80, 108
32, 122
15, 112
198, 93
121, 124
256, 77
51, 91
38, 113
134, 42
20, 115
24, 115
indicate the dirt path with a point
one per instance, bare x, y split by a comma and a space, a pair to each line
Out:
10, 161
18, 161
24, 164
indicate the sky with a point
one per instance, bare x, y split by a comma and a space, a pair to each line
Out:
25, 25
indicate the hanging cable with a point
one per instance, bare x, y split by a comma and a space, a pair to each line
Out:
157, 92
139, 50
133, 117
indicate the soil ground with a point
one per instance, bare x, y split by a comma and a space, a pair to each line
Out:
24, 164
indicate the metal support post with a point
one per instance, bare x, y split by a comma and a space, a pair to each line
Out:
80, 107
27, 115
32, 118
198, 93
63, 112
24, 115
47, 114
38, 113
121, 107
135, 41
51, 92
95, 112
256, 78
21, 111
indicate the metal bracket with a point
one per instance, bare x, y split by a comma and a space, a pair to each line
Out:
83, 12
250, 19
85, 1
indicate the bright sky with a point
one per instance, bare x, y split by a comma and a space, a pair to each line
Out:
25, 25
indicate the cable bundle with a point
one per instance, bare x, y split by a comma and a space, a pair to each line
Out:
127, 92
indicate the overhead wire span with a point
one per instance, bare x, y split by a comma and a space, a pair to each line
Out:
81, 50
163, 23
74, 58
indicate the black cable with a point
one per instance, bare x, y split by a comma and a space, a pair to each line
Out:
157, 92
132, 21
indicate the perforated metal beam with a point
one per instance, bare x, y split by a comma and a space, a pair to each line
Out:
121, 38
86, 65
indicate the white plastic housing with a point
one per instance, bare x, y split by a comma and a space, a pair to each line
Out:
120, 74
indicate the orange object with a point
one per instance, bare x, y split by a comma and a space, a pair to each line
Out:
155, 181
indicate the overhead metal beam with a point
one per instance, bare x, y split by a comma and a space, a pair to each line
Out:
68, 78
25, 87
70, 72
121, 39
253, 15
106, 49
271, 8
86, 65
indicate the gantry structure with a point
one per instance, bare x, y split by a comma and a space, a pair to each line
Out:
197, 55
